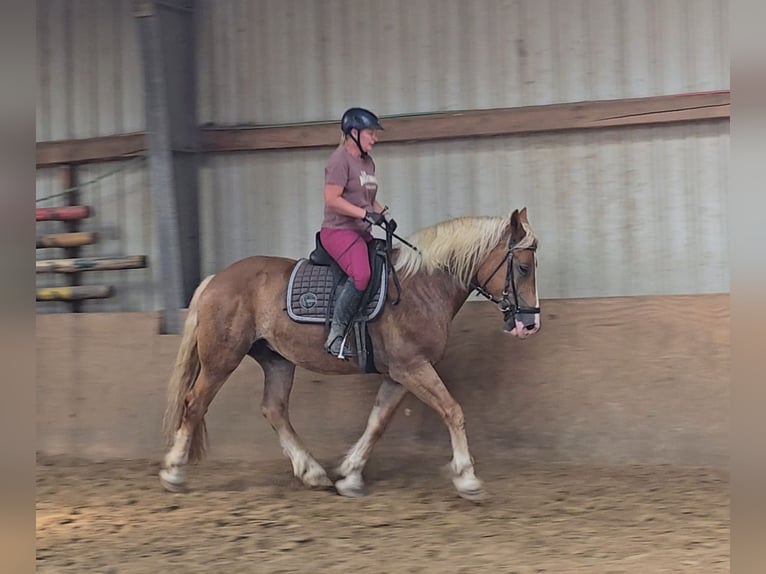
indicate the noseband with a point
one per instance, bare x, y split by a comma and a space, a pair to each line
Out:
509, 309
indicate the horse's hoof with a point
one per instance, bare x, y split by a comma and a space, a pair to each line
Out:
318, 482
478, 495
470, 488
352, 492
350, 489
171, 483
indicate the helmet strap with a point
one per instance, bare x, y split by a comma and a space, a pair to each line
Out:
358, 144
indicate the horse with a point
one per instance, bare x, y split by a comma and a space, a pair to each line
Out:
240, 312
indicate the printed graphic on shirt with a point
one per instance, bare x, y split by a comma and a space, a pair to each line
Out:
368, 181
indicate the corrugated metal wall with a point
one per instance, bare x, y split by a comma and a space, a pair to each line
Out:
90, 84
282, 61
620, 211
88, 67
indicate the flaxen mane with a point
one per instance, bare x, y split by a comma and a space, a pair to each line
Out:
457, 246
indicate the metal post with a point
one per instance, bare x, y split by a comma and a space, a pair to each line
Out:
69, 179
172, 144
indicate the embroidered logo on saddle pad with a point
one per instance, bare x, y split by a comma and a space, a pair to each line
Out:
310, 289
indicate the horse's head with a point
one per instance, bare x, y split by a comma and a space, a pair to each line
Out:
507, 276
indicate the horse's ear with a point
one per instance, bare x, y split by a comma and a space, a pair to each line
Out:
517, 230
523, 215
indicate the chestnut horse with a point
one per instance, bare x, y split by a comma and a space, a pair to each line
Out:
241, 311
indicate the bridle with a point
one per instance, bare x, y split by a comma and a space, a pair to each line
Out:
508, 308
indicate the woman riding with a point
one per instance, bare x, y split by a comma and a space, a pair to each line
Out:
350, 209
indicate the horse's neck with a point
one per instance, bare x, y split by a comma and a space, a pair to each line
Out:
440, 290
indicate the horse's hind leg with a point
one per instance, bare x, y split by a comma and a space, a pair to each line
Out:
390, 395
424, 382
189, 441
277, 384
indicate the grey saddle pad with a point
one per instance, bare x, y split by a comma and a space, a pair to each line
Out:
310, 288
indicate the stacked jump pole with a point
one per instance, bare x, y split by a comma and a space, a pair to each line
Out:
70, 241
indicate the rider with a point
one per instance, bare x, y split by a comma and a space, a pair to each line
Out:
350, 208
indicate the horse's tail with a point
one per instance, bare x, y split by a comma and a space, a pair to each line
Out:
185, 373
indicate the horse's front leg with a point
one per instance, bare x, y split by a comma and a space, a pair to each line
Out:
423, 381
277, 384
390, 395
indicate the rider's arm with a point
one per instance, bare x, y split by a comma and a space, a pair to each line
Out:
333, 197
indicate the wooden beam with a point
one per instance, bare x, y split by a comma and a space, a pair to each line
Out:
74, 293
74, 239
419, 127
482, 123
107, 148
67, 213
90, 264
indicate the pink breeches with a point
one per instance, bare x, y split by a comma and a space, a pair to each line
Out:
349, 249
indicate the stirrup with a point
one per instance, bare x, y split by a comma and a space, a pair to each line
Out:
340, 354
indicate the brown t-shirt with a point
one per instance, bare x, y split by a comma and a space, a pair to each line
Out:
357, 178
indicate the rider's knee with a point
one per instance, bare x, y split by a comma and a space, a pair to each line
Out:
361, 279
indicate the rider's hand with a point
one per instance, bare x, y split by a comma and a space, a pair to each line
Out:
374, 217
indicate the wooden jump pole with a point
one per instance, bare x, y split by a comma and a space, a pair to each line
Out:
75, 293
75, 239
65, 213
90, 264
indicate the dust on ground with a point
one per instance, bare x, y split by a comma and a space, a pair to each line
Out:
113, 518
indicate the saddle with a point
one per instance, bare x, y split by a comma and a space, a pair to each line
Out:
311, 296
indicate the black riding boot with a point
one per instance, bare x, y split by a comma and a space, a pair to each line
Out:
346, 305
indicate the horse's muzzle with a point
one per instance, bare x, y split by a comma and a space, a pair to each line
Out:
522, 325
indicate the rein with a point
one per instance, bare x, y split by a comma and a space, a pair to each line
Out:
389, 227
508, 308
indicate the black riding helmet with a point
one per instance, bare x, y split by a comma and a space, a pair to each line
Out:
360, 119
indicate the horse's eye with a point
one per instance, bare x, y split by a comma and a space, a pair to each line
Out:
523, 269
